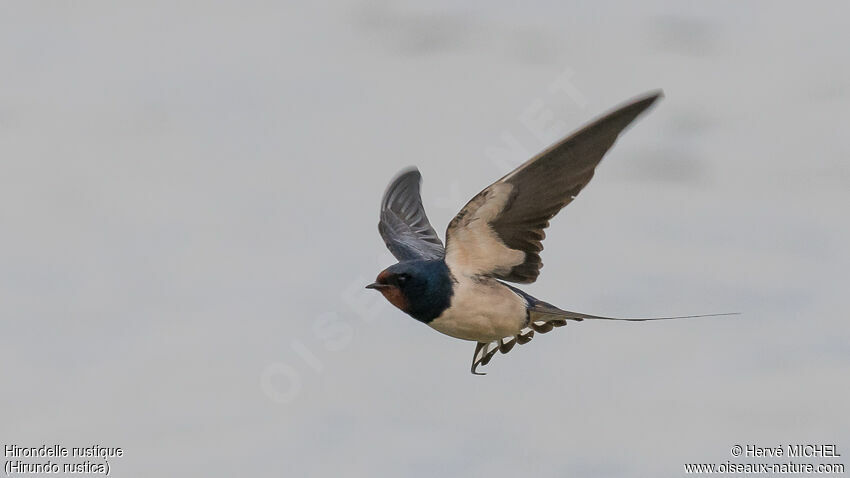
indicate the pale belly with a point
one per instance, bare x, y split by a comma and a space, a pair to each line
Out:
483, 311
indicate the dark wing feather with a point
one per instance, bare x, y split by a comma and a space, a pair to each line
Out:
404, 225
516, 209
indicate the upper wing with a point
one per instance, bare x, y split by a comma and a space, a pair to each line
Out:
404, 225
500, 231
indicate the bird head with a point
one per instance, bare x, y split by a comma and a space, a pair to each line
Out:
420, 288
395, 283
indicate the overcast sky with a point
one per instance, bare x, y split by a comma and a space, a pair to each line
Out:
188, 206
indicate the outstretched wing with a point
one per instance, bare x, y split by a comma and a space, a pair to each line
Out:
404, 225
499, 232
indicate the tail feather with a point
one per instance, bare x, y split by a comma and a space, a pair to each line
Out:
543, 317
581, 316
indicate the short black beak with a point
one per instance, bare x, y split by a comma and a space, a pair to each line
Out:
377, 286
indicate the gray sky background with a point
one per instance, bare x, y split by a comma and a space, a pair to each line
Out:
188, 207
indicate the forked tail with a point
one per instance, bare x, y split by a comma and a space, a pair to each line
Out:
580, 316
543, 317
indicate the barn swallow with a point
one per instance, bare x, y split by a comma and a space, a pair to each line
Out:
458, 289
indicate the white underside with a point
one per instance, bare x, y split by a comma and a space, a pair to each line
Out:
483, 310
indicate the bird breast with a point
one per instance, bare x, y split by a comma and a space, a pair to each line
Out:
482, 309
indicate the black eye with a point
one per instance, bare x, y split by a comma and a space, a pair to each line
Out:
401, 279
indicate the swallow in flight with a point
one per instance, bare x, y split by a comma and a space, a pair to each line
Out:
458, 289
